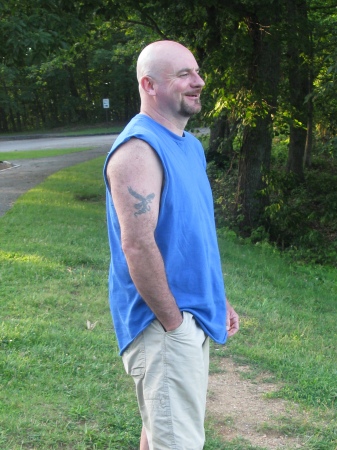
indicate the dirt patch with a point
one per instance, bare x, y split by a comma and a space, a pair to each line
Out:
240, 409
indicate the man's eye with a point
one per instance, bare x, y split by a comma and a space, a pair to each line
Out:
183, 74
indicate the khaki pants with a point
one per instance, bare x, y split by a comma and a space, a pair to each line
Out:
170, 370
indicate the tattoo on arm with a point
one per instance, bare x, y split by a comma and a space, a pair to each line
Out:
143, 206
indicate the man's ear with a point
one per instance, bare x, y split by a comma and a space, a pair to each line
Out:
147, 84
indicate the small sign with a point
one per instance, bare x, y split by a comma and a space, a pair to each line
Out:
106, 103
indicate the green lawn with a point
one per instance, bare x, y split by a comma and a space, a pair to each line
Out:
32, 154
62, 383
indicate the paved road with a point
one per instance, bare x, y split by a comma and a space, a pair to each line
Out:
28, 173
55, 142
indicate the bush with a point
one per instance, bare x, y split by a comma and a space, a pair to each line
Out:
301, 217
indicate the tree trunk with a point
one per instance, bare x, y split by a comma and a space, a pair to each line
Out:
254, 160
297, 139
310, 124
3, 121
87, 80
298, 50
222, 135
255, 152
18, 121
309, 136
82, 113
41, 115
10, 111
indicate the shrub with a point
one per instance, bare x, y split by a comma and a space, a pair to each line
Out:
301, 217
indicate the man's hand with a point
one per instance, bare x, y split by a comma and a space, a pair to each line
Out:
232, 320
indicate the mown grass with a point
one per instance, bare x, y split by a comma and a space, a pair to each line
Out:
62, 383
288, 313
32, 154
288, 327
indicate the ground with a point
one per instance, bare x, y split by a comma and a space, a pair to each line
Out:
240, 408
236, 405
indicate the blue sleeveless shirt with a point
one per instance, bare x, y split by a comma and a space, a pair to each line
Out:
185, 235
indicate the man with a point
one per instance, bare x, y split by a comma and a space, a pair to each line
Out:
165, 283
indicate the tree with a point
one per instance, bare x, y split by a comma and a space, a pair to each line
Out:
269, 67
298, 51
255, 153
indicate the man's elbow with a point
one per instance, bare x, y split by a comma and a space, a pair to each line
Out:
133, 246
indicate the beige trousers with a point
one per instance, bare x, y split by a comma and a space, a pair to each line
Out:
170, 371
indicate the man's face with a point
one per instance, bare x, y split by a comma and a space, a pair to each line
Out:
178, 86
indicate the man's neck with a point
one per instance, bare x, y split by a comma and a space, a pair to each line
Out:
177, 127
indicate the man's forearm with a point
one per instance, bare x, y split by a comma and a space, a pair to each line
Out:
148, 274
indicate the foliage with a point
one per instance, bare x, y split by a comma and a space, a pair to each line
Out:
63, 60
223, 186
269, 67
300, 219
297, 95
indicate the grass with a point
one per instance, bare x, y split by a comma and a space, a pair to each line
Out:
93, 130
31, 154
288, 316
62, 383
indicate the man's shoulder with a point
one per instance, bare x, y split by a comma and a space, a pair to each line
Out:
130, 152
134, 144
140, 127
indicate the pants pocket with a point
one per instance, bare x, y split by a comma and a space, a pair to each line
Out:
134, 358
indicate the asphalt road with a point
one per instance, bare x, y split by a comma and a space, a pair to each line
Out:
27, 173
55, 142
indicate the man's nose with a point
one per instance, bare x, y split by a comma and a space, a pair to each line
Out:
197, 80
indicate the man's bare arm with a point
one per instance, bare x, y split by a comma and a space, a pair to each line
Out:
135, 176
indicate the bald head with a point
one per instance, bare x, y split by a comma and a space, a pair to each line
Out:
169, 84
158, 56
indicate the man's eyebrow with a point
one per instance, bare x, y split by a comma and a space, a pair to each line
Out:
188, 69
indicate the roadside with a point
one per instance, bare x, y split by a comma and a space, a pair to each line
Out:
19, 176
